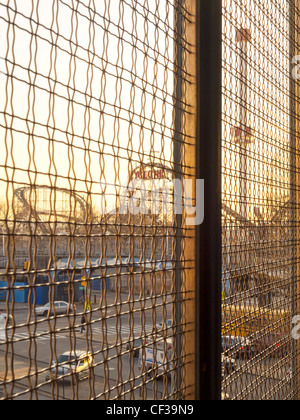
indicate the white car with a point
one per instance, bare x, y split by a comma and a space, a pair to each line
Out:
4, 316
75, 363
58, 308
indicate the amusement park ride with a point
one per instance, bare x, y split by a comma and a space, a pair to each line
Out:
45, 205
44, 212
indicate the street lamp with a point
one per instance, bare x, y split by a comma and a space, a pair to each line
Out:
242, 134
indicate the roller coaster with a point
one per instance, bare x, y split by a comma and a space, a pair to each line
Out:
44, 204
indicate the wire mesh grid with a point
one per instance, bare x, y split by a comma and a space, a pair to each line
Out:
260, 208
96, 112
92, 115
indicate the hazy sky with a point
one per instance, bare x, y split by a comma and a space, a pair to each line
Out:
267, 110
81, 87
90, 88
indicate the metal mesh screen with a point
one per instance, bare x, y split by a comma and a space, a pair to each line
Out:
98, 128
93, 114
259, 211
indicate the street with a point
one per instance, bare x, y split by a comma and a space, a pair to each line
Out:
31, 343
36, 342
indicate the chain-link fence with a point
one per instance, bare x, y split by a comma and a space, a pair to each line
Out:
259, 210
92, 120
100, 132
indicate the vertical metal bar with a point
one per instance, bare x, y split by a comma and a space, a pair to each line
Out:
185, 164
177, 173
209, 263
184, 168
188, 254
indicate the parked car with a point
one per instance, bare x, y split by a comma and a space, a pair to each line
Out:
74, 364
60, 308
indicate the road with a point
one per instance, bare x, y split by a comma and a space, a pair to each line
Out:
258, 379
32, 343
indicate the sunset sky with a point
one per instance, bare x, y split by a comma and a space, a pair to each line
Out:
71, 114
89, 94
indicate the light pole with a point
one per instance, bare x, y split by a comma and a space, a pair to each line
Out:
242, 134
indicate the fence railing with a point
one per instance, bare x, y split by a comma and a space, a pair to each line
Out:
124, 275
260, 216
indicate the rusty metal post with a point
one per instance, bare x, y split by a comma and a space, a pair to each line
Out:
188, 171
201, 159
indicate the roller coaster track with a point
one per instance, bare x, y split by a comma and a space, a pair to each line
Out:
278, 215
20, 193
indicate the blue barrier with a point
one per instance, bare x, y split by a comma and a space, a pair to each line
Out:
3, 290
